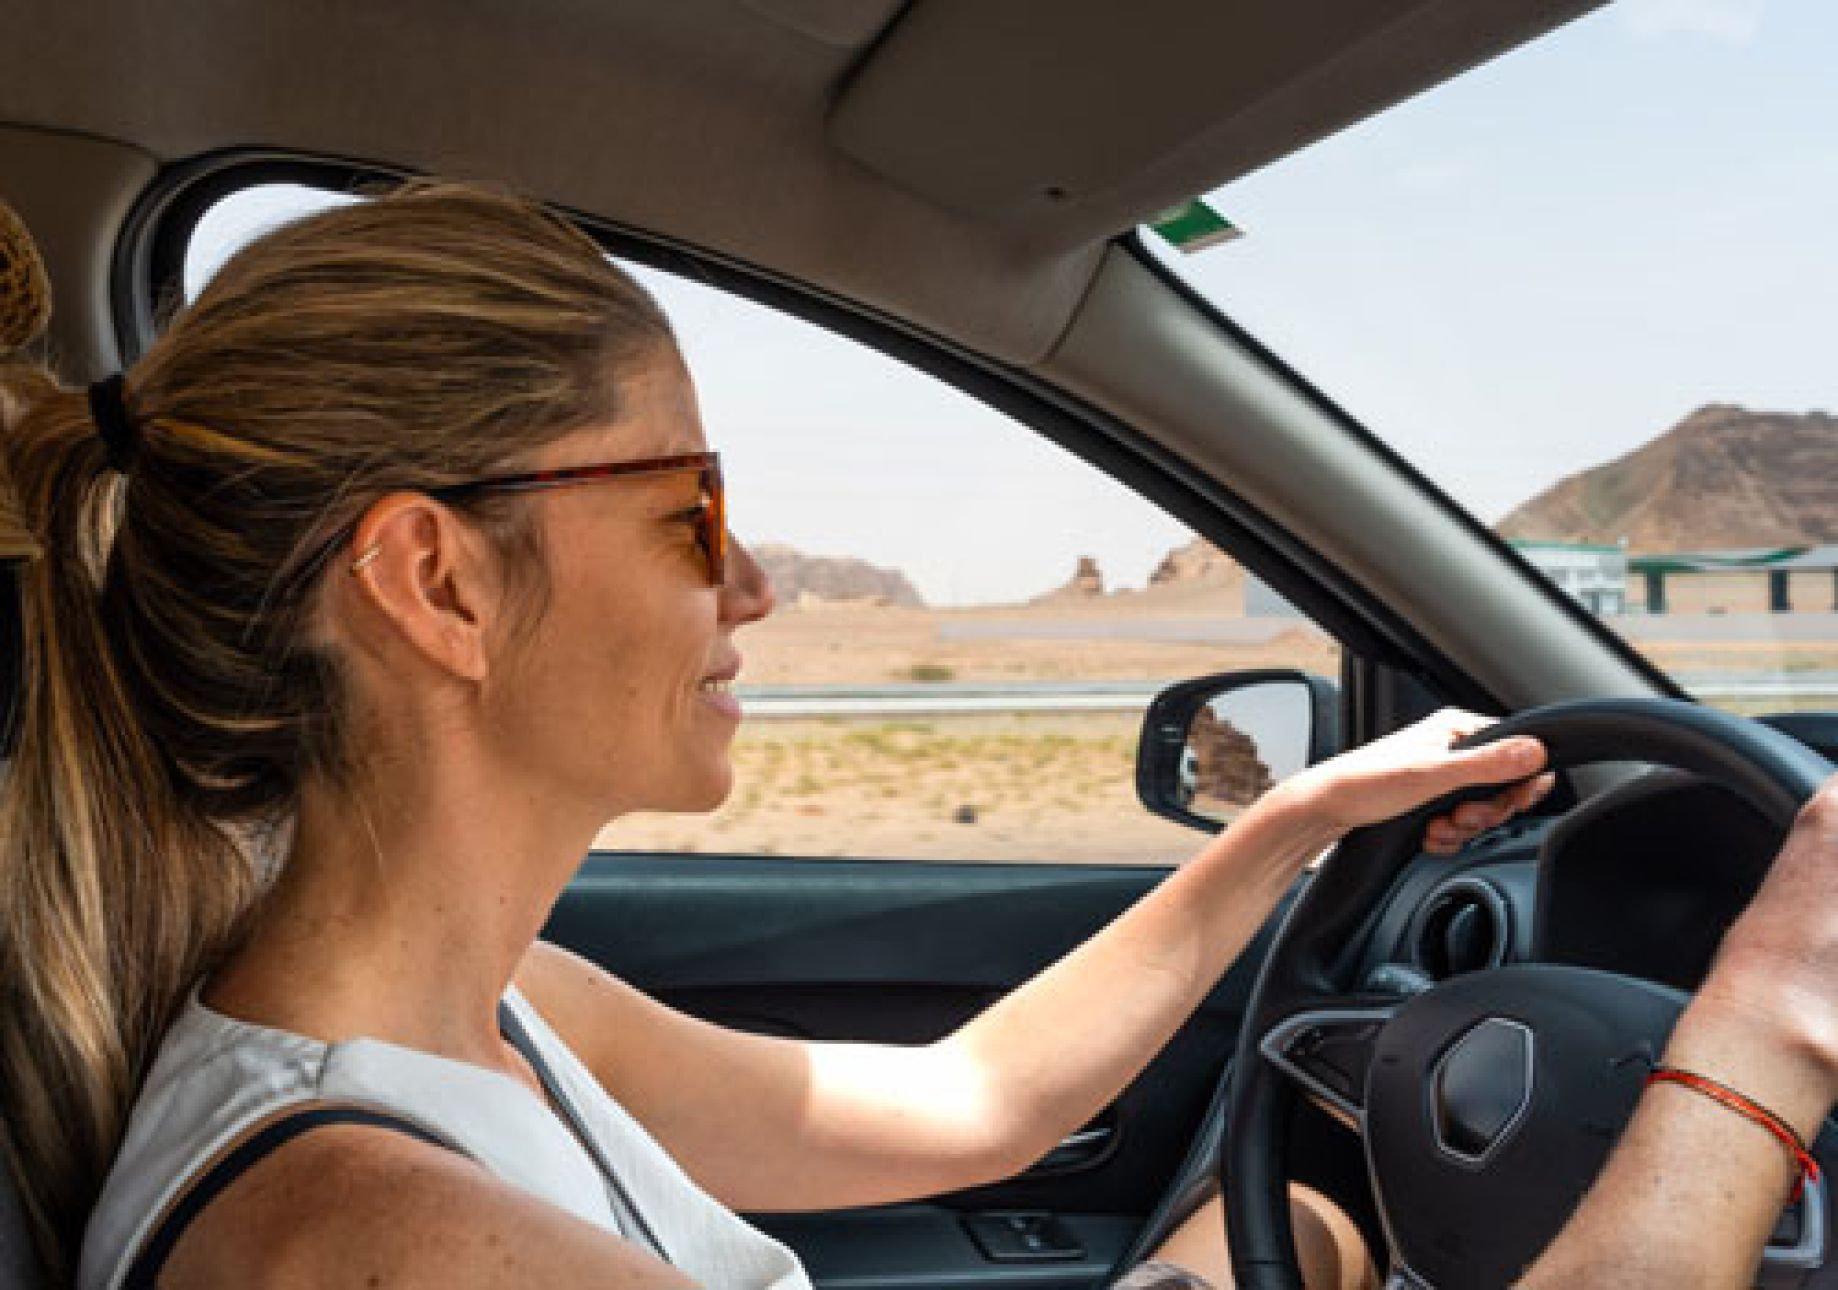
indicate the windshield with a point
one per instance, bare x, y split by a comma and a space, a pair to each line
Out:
1589, 289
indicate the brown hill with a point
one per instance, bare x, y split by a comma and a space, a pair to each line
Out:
798, 578
1722, 477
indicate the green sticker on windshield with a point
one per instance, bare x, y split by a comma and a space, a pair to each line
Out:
1194, 226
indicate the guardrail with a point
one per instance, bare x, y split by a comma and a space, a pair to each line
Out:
958, 698
922, 698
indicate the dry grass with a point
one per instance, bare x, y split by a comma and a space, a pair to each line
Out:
1026, 787
1055, 787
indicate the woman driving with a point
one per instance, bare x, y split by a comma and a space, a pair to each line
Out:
394, 570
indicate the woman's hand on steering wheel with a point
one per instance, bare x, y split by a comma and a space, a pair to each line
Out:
1419, 764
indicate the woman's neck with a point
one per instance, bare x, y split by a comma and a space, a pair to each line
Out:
403, 911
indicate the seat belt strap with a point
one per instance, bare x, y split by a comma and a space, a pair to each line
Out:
511, 1026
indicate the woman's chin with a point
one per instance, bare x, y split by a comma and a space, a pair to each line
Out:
704, 793
690, 787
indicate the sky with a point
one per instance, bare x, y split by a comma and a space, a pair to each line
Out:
1539, 266
1525, 272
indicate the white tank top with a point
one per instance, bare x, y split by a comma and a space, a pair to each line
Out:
216, 1077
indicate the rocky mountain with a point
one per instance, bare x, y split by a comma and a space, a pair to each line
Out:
1722, 477
802, 579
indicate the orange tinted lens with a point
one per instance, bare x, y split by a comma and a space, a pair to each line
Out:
714, 532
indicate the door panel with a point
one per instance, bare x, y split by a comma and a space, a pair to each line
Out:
904, 952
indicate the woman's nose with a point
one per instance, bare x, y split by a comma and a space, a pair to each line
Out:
746, 593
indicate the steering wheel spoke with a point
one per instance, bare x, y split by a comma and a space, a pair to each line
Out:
1798, 1244
1326, 1050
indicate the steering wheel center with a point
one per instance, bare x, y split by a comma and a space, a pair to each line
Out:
1492, 1103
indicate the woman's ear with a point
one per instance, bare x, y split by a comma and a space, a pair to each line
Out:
420, 578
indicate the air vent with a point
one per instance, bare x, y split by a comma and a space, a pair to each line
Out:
1464, 928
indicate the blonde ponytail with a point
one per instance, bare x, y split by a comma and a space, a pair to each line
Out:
175, 698
111, 891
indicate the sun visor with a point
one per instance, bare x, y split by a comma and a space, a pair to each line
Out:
1012, 110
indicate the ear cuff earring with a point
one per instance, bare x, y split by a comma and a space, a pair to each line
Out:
369, 555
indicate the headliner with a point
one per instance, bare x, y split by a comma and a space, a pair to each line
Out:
955, 163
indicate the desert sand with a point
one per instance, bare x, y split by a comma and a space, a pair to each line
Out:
1016, 787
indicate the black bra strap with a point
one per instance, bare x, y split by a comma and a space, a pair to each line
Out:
144, 1273
511, 1026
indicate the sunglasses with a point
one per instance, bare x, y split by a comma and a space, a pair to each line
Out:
710, 516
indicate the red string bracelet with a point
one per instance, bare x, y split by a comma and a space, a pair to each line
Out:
1748, 1109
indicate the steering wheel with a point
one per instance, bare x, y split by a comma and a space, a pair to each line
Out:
1488, 1103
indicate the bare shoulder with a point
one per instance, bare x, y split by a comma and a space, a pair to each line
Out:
358, 1206
552, 975
587, 1005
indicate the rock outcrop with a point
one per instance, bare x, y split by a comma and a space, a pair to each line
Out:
1087, 579
1086, 583
1226, 768
799, 579
1199, 562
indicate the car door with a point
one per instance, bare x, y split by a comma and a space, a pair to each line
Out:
902, 952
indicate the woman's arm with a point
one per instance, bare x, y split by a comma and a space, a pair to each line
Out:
1693, 1190
774, 1124
1058, 1049
771, 1124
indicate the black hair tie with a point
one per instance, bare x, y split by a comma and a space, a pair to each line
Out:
109, 410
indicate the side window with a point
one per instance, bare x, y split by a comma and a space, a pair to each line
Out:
970, 620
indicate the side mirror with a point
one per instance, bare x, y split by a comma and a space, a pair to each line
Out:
1212, 746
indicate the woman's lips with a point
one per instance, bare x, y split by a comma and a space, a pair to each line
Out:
718, 693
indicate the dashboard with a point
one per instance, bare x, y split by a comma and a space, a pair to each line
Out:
1642, 880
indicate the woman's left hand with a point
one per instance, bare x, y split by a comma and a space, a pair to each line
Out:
1402, 771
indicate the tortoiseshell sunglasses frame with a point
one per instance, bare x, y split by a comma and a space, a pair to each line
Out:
711, 526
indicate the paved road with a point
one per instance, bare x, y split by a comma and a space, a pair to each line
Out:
1132, 696
929, 699
1220, 630
1715, 628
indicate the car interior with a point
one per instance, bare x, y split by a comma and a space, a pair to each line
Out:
961, 186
